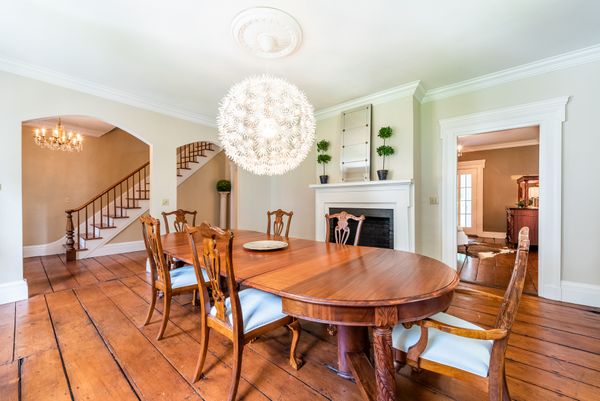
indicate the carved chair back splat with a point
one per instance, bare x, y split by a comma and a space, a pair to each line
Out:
341, 231
180, 219
278, 224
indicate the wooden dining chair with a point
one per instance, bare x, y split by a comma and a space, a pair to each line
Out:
243, 315
169, 282
450, 346
180, 219
278, 223
341, 234
341, 231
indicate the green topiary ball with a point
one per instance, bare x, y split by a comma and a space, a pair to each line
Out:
224, 186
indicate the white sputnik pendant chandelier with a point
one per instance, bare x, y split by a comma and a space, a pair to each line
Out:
266, 125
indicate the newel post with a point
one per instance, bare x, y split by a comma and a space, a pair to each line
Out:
70, 245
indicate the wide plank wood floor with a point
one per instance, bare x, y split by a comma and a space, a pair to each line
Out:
80, 336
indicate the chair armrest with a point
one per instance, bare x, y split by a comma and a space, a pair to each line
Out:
493, 334
470, 291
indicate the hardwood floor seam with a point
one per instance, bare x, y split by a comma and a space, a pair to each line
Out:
20, 382
108, 347
46, 273
62, 361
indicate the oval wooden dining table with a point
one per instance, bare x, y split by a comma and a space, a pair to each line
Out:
353, 287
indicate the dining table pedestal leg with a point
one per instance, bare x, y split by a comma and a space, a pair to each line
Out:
350, 339
384, 364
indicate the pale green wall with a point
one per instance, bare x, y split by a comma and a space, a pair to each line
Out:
581, 164
398, 114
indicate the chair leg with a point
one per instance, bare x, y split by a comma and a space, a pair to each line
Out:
204, 334
505, 393
166, 311
295, 328
194, 297
495, 390
238, 348
152, 305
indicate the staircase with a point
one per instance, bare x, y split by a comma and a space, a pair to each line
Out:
99, 220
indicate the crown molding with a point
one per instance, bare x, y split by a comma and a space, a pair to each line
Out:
562, 61
504, 145
411, 89
18, 67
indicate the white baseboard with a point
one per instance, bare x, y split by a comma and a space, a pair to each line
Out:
581, 293
119, 247
52, 248
550, 292
13, 291
493, 234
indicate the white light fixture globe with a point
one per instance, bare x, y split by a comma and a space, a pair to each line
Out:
266, 125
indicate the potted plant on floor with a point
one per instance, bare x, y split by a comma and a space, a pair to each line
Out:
384, 150
323, 158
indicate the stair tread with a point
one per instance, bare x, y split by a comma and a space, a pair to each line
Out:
128, 207
138, 199
102, 226
115, 217
89, 237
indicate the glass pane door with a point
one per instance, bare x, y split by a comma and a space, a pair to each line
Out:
465, 200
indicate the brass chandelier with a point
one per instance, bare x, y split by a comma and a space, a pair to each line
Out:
58, 139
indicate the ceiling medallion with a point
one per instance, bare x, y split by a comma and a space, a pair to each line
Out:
266, 125
267, 32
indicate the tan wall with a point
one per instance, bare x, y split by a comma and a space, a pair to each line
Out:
499, 182
133, 232
54, 181
199, 191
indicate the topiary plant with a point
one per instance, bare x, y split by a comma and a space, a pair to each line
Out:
385, 150
223, 186
323, 158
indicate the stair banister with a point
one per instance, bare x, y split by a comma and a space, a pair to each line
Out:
122, 188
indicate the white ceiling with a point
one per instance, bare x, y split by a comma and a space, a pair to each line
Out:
500, 139
181, 53
87, 126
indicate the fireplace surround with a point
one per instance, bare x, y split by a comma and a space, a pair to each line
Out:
377, 198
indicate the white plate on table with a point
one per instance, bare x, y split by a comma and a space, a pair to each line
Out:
267, 245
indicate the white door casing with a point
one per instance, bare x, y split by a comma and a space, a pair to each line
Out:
549, 115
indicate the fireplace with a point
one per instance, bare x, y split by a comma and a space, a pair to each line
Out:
387, 206
377, 229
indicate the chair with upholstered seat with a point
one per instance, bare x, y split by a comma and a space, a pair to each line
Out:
451, 346
278, 223
243, 315
180, 220
170, 282
341, 232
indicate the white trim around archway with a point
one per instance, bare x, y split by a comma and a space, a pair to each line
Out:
549, 115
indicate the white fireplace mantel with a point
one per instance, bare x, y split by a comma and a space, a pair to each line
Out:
396, 195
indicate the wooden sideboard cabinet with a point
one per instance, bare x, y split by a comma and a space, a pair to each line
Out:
516, 218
